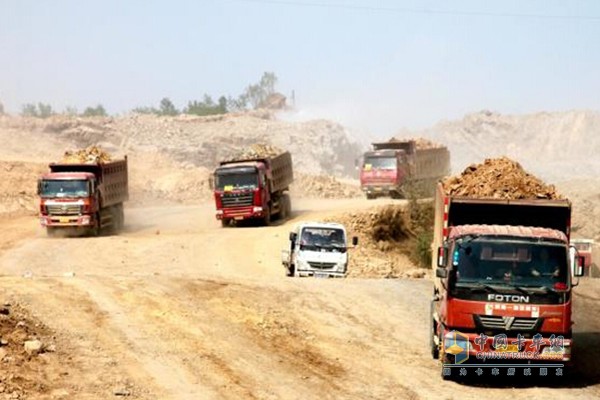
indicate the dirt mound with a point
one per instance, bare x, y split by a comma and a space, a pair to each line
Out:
256, 150
25, 346
18, 194
89, 155
323, 187
393, 239
498, 178
420, 142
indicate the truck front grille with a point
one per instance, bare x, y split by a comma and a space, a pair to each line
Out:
321, 265
64, 209
237, 200
499, 323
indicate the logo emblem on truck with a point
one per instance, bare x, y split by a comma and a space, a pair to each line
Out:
513, 298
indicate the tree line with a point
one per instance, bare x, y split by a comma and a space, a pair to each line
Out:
252, 97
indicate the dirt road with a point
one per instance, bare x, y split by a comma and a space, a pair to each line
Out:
178, 308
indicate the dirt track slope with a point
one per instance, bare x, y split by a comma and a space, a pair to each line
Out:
171, 312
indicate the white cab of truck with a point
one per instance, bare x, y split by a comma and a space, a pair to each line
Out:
318, 249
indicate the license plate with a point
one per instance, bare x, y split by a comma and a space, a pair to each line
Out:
238, 218
511, 348
64, 220
318, 275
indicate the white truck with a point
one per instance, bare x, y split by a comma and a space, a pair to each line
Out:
318, 249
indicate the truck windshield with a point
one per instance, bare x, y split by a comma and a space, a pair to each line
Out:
237, 181
380, 163
64, 188
318, 238
518, 263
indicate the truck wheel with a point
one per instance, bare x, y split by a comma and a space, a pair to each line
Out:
225, 222
370, 196
51, 232
435, 350
289, 271
285, 207
267, 218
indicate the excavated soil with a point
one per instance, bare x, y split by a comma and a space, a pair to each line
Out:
498, 178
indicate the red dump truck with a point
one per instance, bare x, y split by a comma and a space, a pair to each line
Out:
253, 188
391, 166
503, 288
85, 197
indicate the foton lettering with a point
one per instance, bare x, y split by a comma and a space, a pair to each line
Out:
513, 298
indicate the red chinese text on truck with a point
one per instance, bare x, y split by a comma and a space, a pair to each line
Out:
83, 197
253, 188
391, 166
503, 270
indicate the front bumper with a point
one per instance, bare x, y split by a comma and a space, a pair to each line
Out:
320, 273
379, 189
66, 221
240, 213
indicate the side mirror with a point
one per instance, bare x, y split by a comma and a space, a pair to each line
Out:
354, 241
441, 273
579, 266
211, 183
293, 236
442, 257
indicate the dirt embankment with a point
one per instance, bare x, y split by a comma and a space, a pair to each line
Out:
27, 355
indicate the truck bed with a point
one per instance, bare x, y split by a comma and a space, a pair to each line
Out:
280, 166
454, 211
432, 163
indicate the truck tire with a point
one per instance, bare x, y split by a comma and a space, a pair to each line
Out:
289, 271
435, 350
370, 196
267, 218
288, 205
225, 222
51, 232
284, 207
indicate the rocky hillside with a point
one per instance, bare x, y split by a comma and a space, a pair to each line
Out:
318, 147
555, 146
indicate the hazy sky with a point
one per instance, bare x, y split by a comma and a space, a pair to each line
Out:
375, 65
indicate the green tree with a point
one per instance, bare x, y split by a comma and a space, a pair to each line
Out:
44, 110
145, 110
257, 93
207, 106
29, 110
167, 107
97, 111
71, 111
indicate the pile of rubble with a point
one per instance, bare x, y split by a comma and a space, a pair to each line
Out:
89, 155
499, 178
420, 142
23, 373
393, 239
257, 150
323, 187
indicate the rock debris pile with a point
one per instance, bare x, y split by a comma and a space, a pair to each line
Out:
499, 178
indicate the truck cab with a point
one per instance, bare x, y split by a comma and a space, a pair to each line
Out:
317, 249
67, 199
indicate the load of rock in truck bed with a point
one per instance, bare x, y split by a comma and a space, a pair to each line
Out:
258, 150
498, 178
89, 155
420, 143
